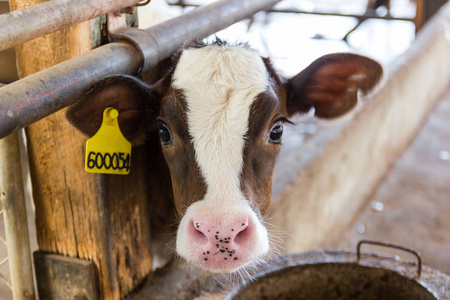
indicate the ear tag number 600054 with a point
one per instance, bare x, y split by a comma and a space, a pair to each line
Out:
108, 151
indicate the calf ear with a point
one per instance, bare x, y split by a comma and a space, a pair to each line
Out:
135, 100
331, 83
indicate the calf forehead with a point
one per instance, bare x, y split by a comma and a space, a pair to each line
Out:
219, 85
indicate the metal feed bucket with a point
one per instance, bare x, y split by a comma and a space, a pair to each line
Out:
340, 274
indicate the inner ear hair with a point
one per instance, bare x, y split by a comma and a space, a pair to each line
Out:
133, 99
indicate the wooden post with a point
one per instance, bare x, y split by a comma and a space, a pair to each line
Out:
96, 217
425, 9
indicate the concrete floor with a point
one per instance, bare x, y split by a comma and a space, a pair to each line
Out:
412, 205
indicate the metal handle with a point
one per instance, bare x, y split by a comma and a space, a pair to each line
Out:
410, 250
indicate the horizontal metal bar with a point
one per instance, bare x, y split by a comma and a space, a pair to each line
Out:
34, 97
369, 14
32, 22
39, 95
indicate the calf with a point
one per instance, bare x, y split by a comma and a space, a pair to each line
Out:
220, 111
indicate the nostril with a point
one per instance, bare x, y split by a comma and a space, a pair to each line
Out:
242, 235
198, 234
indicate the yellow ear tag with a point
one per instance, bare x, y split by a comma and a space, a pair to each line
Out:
108, 151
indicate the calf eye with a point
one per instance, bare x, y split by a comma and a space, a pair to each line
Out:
165, 136
276, 133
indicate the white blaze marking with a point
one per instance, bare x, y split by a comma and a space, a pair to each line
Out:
220, 84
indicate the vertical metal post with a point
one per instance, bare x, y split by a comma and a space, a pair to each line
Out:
15, 216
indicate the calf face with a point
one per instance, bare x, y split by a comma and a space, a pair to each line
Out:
220, 112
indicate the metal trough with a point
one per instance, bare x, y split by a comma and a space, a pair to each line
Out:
338, 274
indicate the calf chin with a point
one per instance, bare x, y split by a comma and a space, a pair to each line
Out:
221, 239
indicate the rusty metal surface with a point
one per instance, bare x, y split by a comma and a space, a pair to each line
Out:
16, 226
117, 28
39, 95
390, 245
61, 277
337, 275
26, 24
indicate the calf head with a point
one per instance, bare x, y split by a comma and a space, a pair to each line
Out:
220, 112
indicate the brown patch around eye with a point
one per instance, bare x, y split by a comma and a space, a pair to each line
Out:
260, 155
187, 182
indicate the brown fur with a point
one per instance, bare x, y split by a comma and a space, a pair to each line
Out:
188, 185
259, 154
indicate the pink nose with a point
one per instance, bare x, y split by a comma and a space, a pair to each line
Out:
221, 242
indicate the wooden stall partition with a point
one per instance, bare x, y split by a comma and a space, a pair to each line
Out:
8, 72
425, 9
102, 218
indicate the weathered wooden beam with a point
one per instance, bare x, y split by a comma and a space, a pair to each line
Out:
8, 71
61, 277
425, 9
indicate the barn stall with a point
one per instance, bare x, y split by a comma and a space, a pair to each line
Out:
107, 230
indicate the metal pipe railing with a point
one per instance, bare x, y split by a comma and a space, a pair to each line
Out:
41, 94
32, 22
15, 216
369, 14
